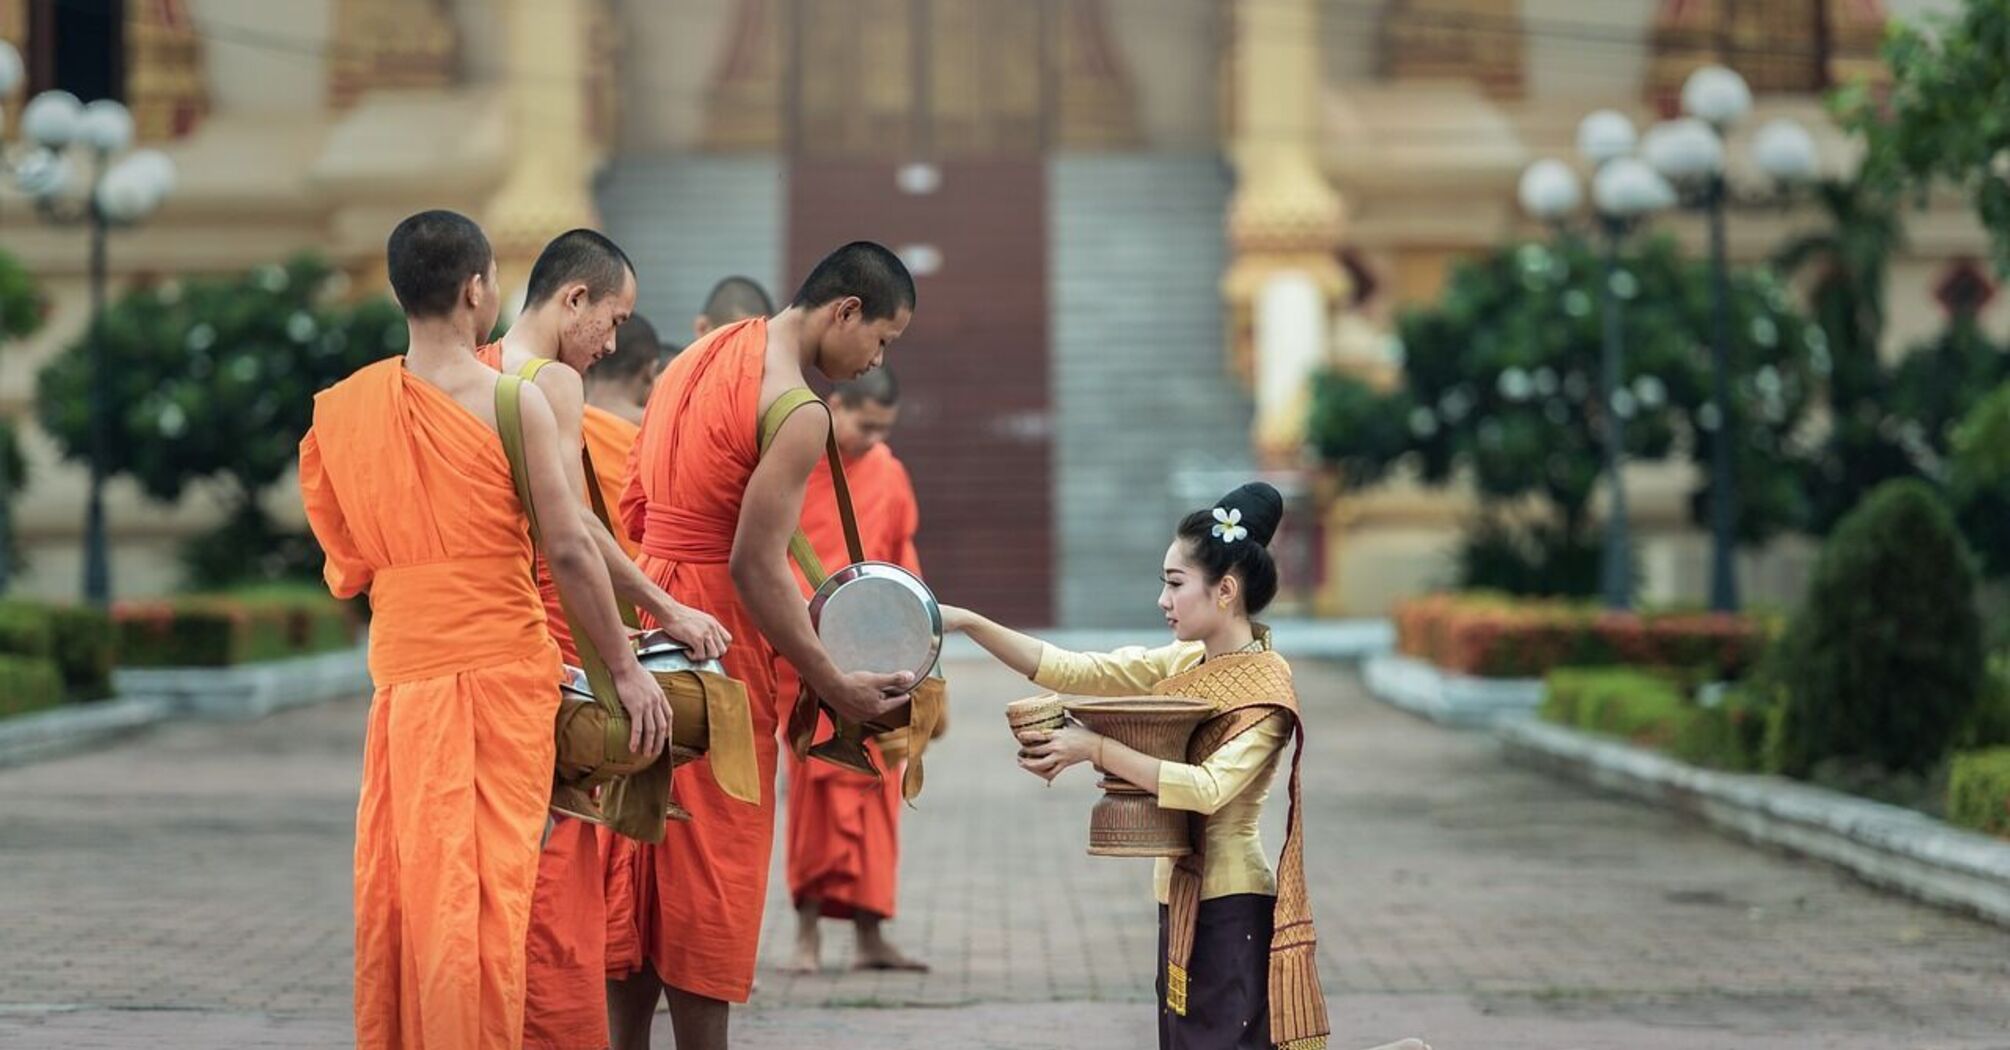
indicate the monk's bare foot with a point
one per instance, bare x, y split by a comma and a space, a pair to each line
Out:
874, 953
808, 957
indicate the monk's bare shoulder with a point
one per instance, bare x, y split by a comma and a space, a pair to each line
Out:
782, 369
565, 391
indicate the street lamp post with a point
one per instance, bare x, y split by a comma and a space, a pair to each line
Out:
1624, 189
117, 191
1690, 153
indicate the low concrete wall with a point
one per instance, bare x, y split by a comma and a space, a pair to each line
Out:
1446, 698
1887, 846
151, 696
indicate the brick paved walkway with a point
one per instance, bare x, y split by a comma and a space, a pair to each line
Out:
191, 890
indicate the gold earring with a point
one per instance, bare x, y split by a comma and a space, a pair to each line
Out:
1223, 603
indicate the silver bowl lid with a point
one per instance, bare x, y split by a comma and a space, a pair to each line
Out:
876, 616
662, 654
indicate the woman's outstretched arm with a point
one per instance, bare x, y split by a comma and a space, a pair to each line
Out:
1020, 652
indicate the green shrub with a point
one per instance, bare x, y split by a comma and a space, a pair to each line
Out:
1639, 707
1989, 724
83, 644
1884, 663
1978, 791
1730, 736
78, 640
28, 683
25, 630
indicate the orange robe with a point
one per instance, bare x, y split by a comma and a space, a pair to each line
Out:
691, 906
565, 985
410, 496
611, 439
844, 827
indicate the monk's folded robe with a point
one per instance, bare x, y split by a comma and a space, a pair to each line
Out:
410, 496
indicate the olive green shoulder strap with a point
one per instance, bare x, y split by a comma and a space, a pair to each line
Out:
800, 549
509, 422
529, 373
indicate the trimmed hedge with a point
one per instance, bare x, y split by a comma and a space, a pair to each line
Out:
78, 641
28, 683
1978, 791
224, 631
1884, 663
1495, 637
1652, 710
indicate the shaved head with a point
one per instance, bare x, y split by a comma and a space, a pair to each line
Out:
735, 299
877, 387
582, 257
431, 256
635, 351
868, 271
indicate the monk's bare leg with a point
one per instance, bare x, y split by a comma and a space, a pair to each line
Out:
631, 1007
698, 1021
874, 953
809, 943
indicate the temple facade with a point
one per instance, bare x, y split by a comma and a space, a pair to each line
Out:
1138, 225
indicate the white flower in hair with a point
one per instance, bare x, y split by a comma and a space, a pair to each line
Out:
1228, 526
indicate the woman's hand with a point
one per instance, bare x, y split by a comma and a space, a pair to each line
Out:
1045, 753
956, 620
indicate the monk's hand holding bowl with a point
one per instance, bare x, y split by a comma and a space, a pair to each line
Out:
703, 635
648, 709
862, 696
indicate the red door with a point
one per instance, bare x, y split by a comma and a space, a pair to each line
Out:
974, 428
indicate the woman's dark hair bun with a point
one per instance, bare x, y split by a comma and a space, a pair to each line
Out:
1262, 509
1248, 556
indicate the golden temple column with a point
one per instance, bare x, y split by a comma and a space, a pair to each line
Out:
553, 149
1285, 221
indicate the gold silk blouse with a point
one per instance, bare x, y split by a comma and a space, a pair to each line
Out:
1229, 788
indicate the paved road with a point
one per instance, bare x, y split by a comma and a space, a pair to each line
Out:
190, 889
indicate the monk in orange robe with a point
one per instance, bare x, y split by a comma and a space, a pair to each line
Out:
714, 515
617, 388
408, 490
844, 826
581, 294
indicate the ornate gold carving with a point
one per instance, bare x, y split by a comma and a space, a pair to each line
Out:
1098, 102
1781, 46
1475, 40
167, 87
744, 111
897, 78
391, 44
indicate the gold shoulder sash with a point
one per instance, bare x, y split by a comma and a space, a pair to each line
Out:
1247, 688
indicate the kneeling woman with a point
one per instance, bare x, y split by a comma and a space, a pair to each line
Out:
1236, 943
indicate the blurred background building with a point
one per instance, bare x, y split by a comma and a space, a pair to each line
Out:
1139, 226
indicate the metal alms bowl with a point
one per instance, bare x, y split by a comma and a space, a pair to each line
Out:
878, 617
661, 654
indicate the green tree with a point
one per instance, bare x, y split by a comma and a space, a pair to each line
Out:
214, 383
1500, 385
1979, 480
1946, 117
1883, 663
22, 311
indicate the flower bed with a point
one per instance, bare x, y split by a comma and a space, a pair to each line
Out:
1488, 636
225, 631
